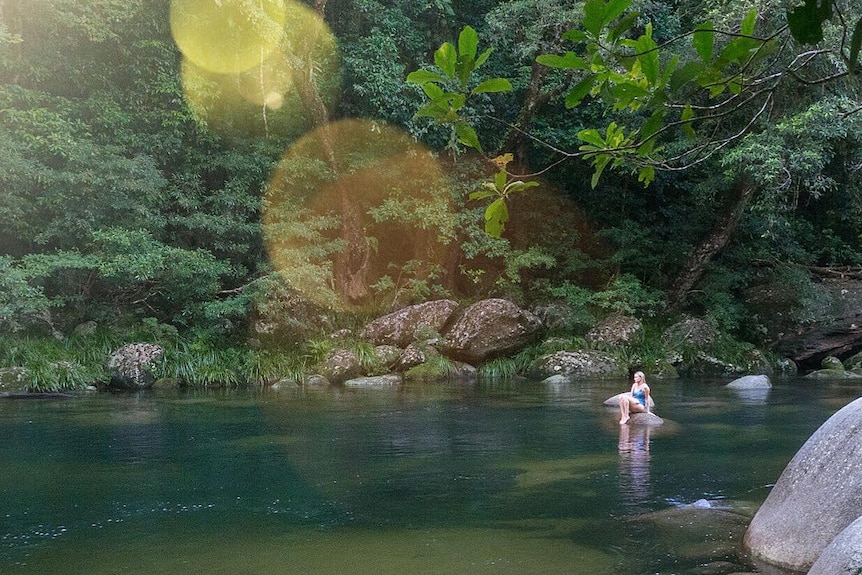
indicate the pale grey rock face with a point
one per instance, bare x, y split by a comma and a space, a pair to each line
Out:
843, 556
817, 496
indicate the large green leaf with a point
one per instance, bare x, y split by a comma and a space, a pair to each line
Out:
703, 41
579, 91
594, 16
445, 57
493, 85
648, 56
467, 135
496, 216
424, 76
468, 43
569, 60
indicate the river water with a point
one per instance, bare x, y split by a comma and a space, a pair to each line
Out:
504, 478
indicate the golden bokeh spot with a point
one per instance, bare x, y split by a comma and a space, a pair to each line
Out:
293, 88
227, 36
358, 213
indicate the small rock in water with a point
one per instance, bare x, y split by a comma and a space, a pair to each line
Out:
702, 504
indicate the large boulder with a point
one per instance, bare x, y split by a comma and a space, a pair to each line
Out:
131, 365
489, 328
399, 328
340, 365
571, 364
844, 554
817, 496
836, 331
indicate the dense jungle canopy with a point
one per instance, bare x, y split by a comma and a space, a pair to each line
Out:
206, 164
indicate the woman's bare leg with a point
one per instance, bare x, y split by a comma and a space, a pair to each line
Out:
624, 409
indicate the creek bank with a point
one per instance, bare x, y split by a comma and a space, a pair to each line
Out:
441, 339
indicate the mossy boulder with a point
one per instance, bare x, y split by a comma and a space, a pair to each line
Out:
572, 364
131, 366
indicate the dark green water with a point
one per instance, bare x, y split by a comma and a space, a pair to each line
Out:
516, 478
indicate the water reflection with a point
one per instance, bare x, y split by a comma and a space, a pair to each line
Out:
634, 466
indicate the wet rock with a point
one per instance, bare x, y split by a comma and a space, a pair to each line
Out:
853, 362
821, 486
131, 366
831, 362
832, 374
647, 419
315, 381
399, 328
706, 364
843, 556
750, 382
614, 400
461, 371
489, 328
696, 534
390, 380
571, 364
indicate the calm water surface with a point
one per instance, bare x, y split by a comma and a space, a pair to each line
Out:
511, 478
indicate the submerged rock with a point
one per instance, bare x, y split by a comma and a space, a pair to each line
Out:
697, 534
391, 380
643, 418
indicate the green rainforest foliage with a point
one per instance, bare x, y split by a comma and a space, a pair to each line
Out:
324, 162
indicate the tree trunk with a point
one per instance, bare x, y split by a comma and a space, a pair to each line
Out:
351, 265
711, 246
516, 138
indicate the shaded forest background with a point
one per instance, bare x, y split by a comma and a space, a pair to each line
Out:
150, 196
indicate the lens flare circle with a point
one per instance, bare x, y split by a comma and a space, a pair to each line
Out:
294, 87
227, 36
357, 211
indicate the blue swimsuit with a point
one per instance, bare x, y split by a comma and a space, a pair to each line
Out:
639, 395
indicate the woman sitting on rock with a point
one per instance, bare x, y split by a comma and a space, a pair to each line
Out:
637, 401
